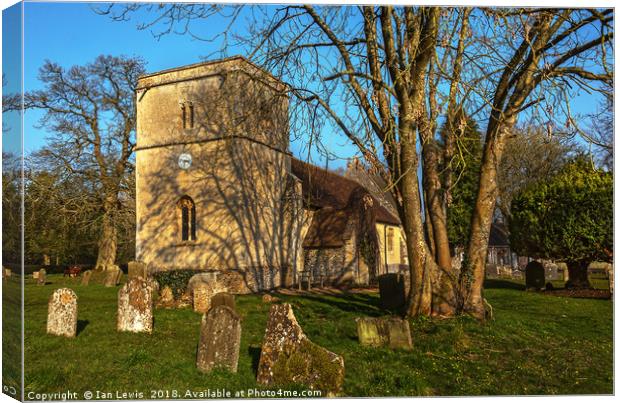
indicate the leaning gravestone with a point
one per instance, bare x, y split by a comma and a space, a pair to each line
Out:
379, 332
220, 339
392, 290
135, 307
112, 276
86, 277
287, 356
534, 275
41, 278
62, 313
223, 298
136, 269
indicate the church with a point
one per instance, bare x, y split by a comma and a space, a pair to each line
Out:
218, 190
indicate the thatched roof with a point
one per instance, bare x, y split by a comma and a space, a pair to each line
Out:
337, 200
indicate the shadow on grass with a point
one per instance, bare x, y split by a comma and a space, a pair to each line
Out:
503, 284
362, 304
255, 354
81, 325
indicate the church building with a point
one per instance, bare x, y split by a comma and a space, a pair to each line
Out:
217, 188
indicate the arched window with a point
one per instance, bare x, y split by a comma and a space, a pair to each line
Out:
188, 218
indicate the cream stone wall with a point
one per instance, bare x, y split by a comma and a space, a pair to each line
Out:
396, 255
237, 179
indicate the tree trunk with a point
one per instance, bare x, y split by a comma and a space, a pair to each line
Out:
420, 258
435, 206
578, 275
472, 270
107, 243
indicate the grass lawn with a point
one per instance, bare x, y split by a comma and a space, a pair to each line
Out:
536, 344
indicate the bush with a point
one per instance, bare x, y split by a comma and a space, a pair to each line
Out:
568, 217
176, 279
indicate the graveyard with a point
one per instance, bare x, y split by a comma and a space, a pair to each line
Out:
535, 344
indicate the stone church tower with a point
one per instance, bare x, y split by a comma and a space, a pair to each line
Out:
212, 174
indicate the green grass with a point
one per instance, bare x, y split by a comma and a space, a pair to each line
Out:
537, 344
11, 335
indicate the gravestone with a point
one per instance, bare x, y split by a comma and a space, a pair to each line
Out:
7, 273
288, 356
166, 295
220, 339
201, 278
35, 275
534, 275
202, 293
136, 269
86, 277
378, 332
41, 279
610, 276
223, 298
112, 275
392, 290
135, 307
62, 313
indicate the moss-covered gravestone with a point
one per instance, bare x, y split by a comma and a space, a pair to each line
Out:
534, 276
287, 356
220, 339
62, 313
378, 332
135, 307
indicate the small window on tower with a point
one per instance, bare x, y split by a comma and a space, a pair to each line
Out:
390, 239
187, 115
188, 218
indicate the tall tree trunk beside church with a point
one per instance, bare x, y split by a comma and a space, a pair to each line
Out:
421, 261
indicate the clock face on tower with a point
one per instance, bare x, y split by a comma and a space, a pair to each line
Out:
185, 161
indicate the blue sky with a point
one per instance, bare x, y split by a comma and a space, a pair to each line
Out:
72, 33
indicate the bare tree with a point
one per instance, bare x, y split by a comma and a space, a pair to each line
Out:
532, 59
384, 75
90, 111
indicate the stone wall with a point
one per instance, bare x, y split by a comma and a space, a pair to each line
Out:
326, 262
